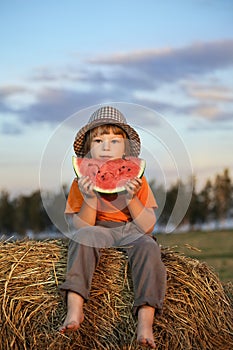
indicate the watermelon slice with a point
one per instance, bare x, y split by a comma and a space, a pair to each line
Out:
109, 176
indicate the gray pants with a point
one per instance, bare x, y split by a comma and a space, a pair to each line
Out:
144, 257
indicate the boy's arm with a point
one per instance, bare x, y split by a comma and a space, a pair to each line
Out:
87, 214
143, 217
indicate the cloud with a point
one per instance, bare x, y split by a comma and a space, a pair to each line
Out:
54, 105
55, 74
4, 107
144, 69
209, 92
172, 64
8, 128
210, 112
127, 77
9, 90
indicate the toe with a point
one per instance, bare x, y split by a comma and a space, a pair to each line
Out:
151, 343
70, 327
146, 342
142, 341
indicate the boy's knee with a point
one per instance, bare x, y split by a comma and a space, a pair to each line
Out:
148, 242
93, 236
82, 236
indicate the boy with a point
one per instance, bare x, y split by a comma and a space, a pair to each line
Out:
125, 219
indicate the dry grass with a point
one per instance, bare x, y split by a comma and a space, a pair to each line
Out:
197, 312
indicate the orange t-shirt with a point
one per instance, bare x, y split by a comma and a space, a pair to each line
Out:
110, 207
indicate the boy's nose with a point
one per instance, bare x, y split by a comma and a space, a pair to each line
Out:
106, 145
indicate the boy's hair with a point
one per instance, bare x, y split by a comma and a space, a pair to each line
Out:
101, 130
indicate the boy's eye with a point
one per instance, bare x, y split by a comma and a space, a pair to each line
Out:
97, 140
117, 140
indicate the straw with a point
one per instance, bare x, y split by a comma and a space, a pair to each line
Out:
197, 311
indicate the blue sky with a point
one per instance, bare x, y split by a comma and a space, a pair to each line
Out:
60, 57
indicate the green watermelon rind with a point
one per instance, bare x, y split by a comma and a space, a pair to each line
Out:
117, 189
76, 169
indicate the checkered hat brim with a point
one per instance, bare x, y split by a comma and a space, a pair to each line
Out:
107, 115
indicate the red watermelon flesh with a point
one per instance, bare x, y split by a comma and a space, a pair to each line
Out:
109, 176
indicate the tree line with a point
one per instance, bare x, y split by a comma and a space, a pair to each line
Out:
214, 202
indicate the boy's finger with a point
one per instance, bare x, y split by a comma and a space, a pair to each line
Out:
138, 180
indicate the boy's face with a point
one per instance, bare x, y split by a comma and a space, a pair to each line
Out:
107, 146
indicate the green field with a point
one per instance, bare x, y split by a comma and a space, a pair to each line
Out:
215, 248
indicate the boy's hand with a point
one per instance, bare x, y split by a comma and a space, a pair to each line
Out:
132, 187
86, 187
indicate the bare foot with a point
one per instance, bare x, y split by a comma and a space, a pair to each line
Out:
144, 329
75, 315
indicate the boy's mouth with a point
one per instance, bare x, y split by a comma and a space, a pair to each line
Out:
106, 157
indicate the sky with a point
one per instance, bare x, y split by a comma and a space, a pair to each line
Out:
167, 65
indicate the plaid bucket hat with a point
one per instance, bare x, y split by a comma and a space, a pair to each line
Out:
107, 115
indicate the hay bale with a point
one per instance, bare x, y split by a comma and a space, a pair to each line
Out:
197, 312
